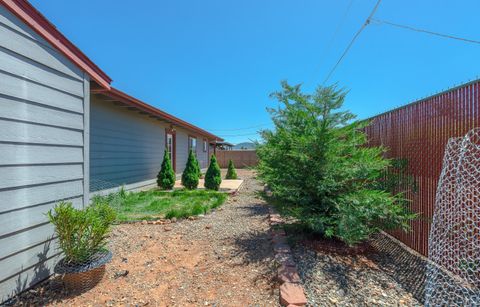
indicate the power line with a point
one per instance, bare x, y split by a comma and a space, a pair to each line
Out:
365, 24
425, 31
327, 48
230, 135
238, 129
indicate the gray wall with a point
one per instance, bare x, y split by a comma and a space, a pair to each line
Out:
126, 147
42, 125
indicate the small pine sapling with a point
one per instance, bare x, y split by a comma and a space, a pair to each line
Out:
213, 177
231, 172
166, 176
190, 173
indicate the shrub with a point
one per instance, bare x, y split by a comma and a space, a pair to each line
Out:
166, 176
190, 173
316, 162
81, 232
213, 177
231, 172
199, 169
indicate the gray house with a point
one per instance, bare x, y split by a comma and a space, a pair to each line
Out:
65, 133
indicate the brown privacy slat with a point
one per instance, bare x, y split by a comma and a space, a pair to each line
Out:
419, 132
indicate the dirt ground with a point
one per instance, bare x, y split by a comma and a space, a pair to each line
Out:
222, 259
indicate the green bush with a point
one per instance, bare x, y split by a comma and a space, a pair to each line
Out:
316, 162
81, 232
213, 177
231, 172
190, 173
166, 176
199, 169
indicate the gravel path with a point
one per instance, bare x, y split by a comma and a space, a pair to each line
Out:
222, 259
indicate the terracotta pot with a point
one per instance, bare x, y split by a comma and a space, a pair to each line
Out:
82, 277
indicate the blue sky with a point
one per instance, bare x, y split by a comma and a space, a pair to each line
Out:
214, 62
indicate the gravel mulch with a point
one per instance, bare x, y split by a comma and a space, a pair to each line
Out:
335, 279
222, 259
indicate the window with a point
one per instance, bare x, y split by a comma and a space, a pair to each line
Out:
192, 144
205, 145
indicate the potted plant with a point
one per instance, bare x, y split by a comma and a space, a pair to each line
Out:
82, 237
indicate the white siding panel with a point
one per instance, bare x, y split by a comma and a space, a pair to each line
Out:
11, 131
36, 195
31, 49
22, 111
25, 89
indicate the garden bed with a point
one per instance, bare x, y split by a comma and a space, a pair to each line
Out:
156, 204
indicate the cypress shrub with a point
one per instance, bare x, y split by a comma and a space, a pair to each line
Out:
199, 169
213, 178
231, 172
190, 173
166, 176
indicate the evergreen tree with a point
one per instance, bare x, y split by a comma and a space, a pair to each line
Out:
199, 169
316, 160
190, 173
213, 177
166, 176
231, 172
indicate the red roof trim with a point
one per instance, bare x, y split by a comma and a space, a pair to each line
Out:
129, 100
28, 14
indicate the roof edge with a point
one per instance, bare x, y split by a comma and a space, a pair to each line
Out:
32, 17
127, 99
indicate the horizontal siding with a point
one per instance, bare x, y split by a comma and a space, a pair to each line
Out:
16, 64
11, 131
25, 240
28, 258
24, 111
28, 277
18, 87
19, 220
42, 148
12, 22
16, 176
15, 154
36, 195
37, 50
125, 146
182, 149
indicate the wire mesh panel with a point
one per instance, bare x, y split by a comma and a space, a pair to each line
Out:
453, 274
418, 133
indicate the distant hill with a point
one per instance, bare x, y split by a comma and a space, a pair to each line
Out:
244, 145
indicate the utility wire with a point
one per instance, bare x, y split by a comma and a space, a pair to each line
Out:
327, 48
238, 134
238, 129
365, 24
424, 31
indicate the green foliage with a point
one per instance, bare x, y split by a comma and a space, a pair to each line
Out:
231, 172
190, 174
154, 204
199, 169
316, 162
81, 233
213, 177
166, 176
